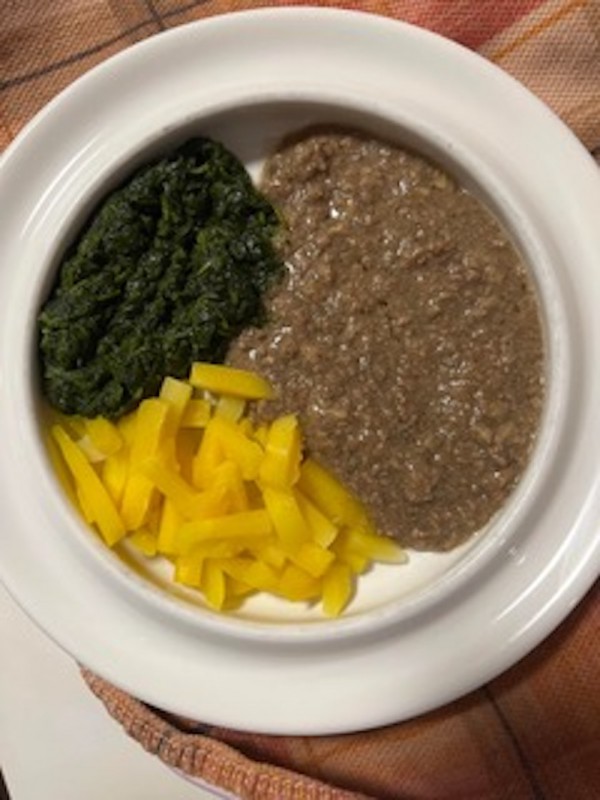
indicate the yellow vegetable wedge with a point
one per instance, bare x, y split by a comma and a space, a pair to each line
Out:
245, 525
98, 501
290, 526
280, 467
237, 447
104, 436
296, 584
329, 495
152, 417
213, 585
145, 541
229, 381
313, 559
189, 569
189, 503
170, 522
177, 395
231, 408
375, 548
209, 456
322, 529
114, 472
197, 414
337, 589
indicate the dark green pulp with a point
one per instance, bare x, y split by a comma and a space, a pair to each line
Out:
171, 267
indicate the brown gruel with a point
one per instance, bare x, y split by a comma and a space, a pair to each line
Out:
407, 335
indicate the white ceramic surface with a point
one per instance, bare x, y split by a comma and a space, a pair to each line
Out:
416, 637
57, 741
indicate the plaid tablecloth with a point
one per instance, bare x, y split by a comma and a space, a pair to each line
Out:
535, 731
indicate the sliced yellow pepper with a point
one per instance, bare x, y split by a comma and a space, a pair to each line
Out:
231, 408
322, 529
170, 522
313, 559
189, 570
145, 541
210, 454
188, 502
114, 475
296, 584
177, 395
289, 524
152, 418
229, 381
197, 414
213, 585
104, 436
337, 589
329, 495
98, 501
245, 525
237, 447
375, 548
228, 481
280, 467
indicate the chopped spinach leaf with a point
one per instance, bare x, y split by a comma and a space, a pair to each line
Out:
171, 267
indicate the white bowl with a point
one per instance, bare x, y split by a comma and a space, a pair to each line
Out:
445, 623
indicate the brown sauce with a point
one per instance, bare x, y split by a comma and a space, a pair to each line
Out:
406, 335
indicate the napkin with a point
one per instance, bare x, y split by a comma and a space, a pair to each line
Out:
534, 732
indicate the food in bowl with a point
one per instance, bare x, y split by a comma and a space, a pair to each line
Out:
406, 334
169, 270
235, 508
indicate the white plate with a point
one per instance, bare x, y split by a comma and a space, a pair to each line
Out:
403, 649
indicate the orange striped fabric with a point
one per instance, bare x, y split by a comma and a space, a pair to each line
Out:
533, 733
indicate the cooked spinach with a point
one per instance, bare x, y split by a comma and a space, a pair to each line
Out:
170, 268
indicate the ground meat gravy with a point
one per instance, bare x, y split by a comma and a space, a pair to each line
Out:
406, 335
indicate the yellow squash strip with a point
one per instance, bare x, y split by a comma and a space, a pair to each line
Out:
177, 395
61, 469
213, 585
188, 502
287, 518
329, 495
313, 559
337, 589
228, 481
145, 542
229, 381
196, 414
98, 502
245, 525
209, 456
150, 425
188, 570
231, 408
322, 529
237, 446
86, 509
280, 467
114, 473
296, 584
170, 522
104, 436
232, 506
374, 548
